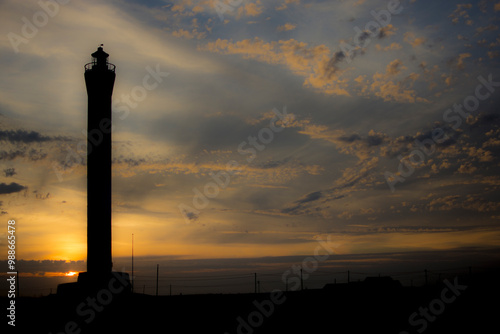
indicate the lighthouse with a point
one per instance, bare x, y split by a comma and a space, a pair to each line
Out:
99, 80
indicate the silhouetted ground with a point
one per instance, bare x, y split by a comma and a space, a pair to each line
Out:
342, 308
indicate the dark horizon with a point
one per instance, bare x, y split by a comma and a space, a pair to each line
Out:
193, 276
455, 304
256, 144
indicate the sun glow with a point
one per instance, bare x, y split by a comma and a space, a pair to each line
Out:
71, 273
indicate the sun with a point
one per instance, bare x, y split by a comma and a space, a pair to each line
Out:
71, 273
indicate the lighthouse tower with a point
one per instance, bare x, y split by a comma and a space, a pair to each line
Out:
99, 79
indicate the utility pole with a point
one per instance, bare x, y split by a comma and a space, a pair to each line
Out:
157, 271
255, 282
132, 262
301, 280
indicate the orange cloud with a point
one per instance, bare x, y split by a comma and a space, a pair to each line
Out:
414, 41
314, 63
242, 173
460, 60
385, 87
394, 67
393, 46
285, 4
461, 12
250, 9
287, 27
189, 34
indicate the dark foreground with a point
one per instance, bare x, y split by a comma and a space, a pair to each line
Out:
465, 304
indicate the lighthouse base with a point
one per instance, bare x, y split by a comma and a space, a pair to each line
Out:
106, 285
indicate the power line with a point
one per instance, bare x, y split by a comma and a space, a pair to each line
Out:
266, 281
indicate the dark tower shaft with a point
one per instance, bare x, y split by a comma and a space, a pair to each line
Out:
99, 79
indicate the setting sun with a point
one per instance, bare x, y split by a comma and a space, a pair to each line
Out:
71, 273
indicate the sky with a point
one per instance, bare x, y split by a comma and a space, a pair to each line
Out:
251, 129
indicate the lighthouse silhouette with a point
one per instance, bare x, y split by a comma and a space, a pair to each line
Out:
99, 80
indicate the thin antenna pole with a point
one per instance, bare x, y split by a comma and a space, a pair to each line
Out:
255, 282
157, 270
132, 262
301, 280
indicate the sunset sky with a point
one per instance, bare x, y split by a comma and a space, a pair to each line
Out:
344, 162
